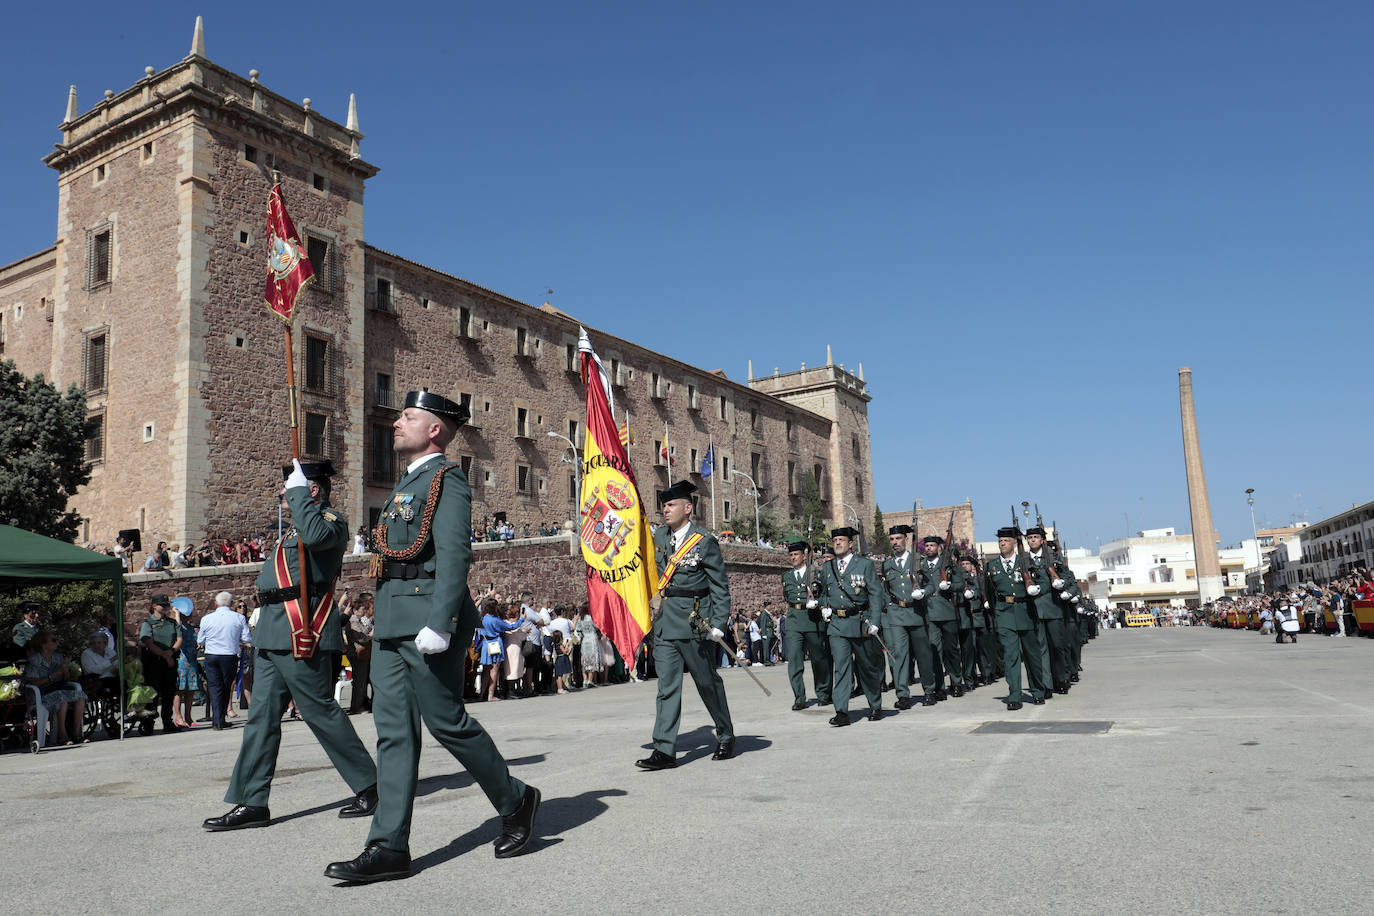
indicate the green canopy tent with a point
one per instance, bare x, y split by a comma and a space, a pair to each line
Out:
25, 555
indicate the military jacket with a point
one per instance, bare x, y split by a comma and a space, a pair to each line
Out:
971, 609
899, 581
939, 604
162, 631
324, 532
1045, 605
404, 607
858, 592
765, 625
998, 585
699, 587
799, 619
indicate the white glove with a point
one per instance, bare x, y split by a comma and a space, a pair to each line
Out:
717, 633
826, 612
985, 605
872, 629
432, 642
944, 586
918, 593
810, 604
297, 476
1058, 583
1064, 596
1032, 590
968, 593
1075, 599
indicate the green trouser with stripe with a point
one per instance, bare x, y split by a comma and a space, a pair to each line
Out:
818, 647
277, 679
408, 688
698, 658
853, 654
1019, 646
906, 644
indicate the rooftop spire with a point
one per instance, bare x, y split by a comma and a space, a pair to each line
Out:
829, 360
72, 111
352, 112
751, 370
198, 39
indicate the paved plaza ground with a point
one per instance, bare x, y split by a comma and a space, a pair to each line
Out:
1192, 771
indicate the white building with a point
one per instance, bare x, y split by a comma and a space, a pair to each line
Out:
1158, 567
1332, 546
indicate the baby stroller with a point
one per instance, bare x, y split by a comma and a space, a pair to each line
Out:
140, 713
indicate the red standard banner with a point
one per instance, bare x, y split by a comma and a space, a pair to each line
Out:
288, 268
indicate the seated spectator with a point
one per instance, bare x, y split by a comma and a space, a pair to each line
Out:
177, 558
49, 671
24, 631
99, 672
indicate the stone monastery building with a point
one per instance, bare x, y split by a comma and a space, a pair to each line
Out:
151, 299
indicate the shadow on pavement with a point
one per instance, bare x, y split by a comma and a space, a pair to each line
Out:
462, 779
556, 816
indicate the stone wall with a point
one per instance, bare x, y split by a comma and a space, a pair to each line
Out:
551, 568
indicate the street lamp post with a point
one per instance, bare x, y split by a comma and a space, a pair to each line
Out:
1259, 554
854, 517
754, 492
570, 457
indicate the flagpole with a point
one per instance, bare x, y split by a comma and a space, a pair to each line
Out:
667, 454
711, 450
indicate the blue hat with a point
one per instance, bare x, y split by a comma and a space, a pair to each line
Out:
185, 606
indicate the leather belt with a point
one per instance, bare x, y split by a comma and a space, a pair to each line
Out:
1005, 600
901, 603
290, 593
796, 607
848, 612
393, 569
684, 593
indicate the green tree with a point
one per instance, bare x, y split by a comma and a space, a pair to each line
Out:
880, 546
811, 505
70, 610
42, 453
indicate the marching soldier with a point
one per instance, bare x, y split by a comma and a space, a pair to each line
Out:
422, 626
852, 599
694, 612
1054, 577
971, 631
294, 647
805, 631
904, 621
942, 622
1007, 592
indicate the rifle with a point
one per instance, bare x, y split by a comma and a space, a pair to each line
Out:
1054, 560
810, 558
918, 570
1022, 561
946, 558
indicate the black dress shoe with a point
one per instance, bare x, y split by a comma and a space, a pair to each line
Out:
1012, 707
724, 750
363, 805
1061, 690
518, 826
799, 706
377, 863
956, 691
903, 703
941, 695
875, 715
1037, 701
240, 817
1073, 678
928, 700
657, 761
839, 719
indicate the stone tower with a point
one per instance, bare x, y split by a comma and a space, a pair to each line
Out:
832, 391
162, 196
1209, 582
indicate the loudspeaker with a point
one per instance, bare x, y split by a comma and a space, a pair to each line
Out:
134, 538
499, 518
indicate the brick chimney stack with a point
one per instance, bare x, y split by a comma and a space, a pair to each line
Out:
1209, 582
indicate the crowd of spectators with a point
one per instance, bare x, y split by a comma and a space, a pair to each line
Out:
1311, 607
209, 552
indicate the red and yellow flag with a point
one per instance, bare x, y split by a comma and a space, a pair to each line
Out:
288, 268
616, 541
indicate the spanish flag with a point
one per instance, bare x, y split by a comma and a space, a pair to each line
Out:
616, 542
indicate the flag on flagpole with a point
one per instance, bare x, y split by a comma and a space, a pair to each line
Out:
616, 542
289, 270
627, 438
708, 464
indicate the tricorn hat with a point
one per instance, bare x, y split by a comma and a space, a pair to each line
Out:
438, 405
1008, 532
899, 529
1036, 529
798, 545
683, 489
845, 532
313, 470
932, 539
160, 600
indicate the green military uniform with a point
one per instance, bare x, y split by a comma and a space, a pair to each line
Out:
766, 633
855, 596
428, 588
805, 634
942, 621
904, 626
279, 677
695, 600
1006, 592
969, 605
1053, 617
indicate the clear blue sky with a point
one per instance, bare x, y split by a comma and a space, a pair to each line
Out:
1022, 218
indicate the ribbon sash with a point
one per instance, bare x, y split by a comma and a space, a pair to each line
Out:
676, 558
305, 633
